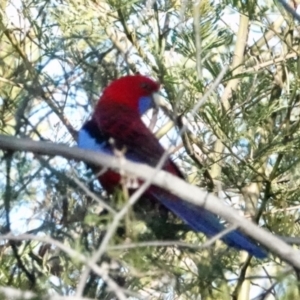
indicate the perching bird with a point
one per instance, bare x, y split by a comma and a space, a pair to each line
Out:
116, 124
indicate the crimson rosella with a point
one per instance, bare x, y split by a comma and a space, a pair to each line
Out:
117, 124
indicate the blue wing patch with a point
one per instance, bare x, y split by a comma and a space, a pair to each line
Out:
90, 138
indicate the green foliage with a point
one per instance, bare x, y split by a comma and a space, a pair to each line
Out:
56, 57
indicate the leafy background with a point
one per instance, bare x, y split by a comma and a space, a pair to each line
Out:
242, 143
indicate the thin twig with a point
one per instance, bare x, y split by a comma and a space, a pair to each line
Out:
101, 271
290, 9
113, 226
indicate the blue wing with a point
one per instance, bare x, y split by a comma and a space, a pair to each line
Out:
90, 138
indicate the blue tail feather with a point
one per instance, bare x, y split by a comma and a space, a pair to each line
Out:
201, 220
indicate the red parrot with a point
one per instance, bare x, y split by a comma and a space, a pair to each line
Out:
117, 124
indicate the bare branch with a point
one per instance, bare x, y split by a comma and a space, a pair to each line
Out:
165, 180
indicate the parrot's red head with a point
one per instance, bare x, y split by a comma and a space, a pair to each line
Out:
133, 91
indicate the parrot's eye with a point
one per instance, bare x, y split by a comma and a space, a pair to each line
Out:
145, 86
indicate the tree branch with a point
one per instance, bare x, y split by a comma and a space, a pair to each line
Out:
162, 179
